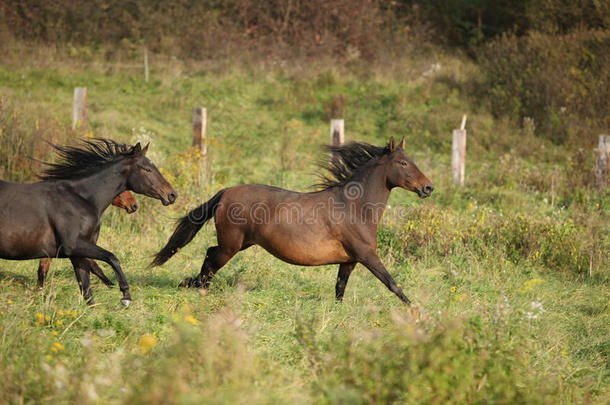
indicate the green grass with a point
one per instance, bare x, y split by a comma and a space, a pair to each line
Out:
509, 274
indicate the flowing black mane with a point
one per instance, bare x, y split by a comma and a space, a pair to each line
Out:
81, 161
347, 160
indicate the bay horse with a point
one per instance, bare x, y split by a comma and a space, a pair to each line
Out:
335, 225
126, 201
60, 215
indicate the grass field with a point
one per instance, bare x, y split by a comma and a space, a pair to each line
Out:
510, 274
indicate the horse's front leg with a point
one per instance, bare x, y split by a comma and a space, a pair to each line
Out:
95, 269
81, 270
374, 264
86, 249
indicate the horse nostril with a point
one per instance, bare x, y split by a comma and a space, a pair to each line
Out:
428, 189
134, 207
172, 196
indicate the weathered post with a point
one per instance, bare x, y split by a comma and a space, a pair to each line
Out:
146, 64
602, 163
337, 135
79, 112
199, 137
458, 154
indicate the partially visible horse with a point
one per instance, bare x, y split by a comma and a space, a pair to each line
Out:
336, 225
60, 215
125, 200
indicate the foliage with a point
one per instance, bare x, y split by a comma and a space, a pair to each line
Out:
22, 141
562, 83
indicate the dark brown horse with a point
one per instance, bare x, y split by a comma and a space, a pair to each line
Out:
126, 201
336, 225
60, 216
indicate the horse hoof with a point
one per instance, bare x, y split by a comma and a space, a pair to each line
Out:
126, 303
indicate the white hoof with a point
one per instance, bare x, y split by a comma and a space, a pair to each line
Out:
126, 303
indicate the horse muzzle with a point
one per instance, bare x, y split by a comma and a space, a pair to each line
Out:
425, 191
169, 198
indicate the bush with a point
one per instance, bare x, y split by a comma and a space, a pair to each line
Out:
208, 28
22, 142
419, 361
558, 244
562, 83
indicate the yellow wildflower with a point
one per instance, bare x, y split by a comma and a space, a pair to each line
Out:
57, 347
58, 322
10, 301
47, 318
452, 289
191, 320
60, 313
39, 318
55, 333
147, 342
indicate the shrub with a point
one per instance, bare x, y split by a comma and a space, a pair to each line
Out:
22, 142
419, 362
561, 82
559, 244
206, 28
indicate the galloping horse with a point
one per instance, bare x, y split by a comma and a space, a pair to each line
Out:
125, 200
60, 215
335, 225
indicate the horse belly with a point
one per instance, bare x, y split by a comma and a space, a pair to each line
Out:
305, 251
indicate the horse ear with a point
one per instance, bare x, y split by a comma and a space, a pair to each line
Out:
392, 144
402, 143
145, 148
136, 149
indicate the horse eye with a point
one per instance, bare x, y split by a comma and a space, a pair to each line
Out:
147, 169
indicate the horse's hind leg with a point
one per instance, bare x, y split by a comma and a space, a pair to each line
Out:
215, 258
345, 269
95, 269
92, 251
81, 270
43, 268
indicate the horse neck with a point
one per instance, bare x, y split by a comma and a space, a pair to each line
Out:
372, 184
103, 186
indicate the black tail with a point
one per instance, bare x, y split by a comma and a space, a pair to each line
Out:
187, 228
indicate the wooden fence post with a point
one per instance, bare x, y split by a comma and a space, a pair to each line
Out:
199, 137
146, 64
602, 163
458, 154
337, 134
79, 112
